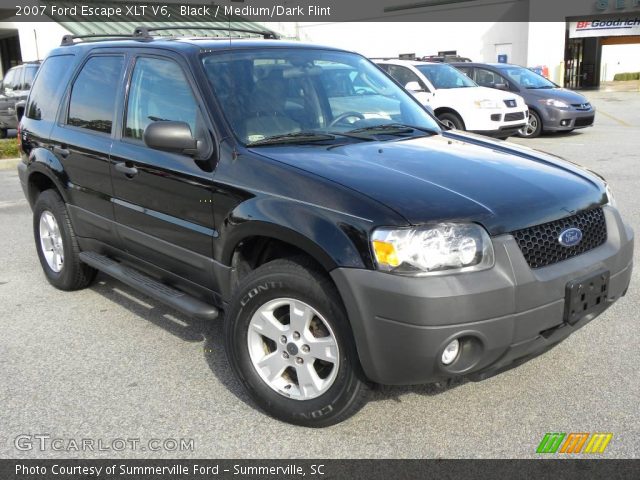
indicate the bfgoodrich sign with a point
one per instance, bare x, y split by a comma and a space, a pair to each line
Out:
605, 27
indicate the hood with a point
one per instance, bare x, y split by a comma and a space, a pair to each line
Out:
472, 94
453, 177
567, 96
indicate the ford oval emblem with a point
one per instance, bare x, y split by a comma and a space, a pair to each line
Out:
570, 237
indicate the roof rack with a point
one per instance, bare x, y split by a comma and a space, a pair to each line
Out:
70, 39
393, 58
144, 32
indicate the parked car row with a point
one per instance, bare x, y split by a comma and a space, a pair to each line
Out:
457, 101
14, 88
498, 99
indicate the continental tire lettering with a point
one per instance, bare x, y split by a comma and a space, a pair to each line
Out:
258, 289
318, 413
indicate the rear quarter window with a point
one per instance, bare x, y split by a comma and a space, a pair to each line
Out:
48, 87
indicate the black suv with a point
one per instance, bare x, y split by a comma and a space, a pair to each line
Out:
14, 89
347, 238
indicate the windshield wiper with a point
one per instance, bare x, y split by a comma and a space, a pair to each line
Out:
394, 129
294, 137
540, 88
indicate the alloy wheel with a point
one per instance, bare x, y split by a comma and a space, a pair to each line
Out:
51, 241
293, 348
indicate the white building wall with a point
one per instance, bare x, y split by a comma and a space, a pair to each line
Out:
619, 59
36, 38
476, 40
545, 46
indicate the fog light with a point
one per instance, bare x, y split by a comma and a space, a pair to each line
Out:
451, 352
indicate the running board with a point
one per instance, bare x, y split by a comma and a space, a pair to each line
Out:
150, 287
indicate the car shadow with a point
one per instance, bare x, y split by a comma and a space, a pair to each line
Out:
210, 334
574, 133
189, 329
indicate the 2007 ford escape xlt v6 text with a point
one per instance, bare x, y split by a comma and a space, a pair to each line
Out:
348, 239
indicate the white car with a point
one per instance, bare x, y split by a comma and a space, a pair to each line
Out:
457, 101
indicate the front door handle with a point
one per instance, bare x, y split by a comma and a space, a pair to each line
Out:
128, 171
63, 152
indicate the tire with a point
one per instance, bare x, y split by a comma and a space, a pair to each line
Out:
274, 288
533, 128
67, 273
451, 120
3, 133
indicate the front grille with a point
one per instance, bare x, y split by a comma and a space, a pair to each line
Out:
541, 247
581, 106
511, 117
510, 103
583, 122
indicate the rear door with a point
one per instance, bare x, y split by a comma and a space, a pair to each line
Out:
82, 138
162, 199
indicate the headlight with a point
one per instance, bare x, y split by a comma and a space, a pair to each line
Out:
487, 104
550, 102
432, 249
610, 200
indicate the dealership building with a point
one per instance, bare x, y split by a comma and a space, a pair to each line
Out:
587, 43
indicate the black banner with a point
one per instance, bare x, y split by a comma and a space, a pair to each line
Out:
180, 11
317, 469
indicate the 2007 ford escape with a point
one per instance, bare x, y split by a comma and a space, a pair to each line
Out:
346, 236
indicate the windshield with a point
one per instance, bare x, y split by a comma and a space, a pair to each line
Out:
445, 76
308, 95
527, 78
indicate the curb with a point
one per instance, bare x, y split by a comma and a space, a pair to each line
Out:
9, 163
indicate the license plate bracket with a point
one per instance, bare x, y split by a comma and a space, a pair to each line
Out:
585, 294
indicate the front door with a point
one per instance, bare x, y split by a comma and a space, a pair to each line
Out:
162, 200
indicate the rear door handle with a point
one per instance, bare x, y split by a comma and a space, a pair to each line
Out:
128, 171
63, 152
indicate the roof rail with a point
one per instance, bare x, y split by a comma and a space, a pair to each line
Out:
70, 39
145, 32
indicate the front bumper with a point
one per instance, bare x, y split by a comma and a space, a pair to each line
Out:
502, 132
496, 123
508, 313
559, 119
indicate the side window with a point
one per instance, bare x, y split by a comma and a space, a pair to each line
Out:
468, 71
403, 75
160, 91
29, 75
93, 96
48, 87
18, 79
487, 78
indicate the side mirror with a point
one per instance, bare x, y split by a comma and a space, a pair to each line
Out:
501, 86
413, 87
170, 136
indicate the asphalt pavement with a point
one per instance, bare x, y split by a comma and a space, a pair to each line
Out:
106, 363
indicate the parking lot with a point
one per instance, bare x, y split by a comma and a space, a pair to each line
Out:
107, 363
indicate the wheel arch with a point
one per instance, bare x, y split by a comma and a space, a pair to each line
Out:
281, 229
45, 172
440, 110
